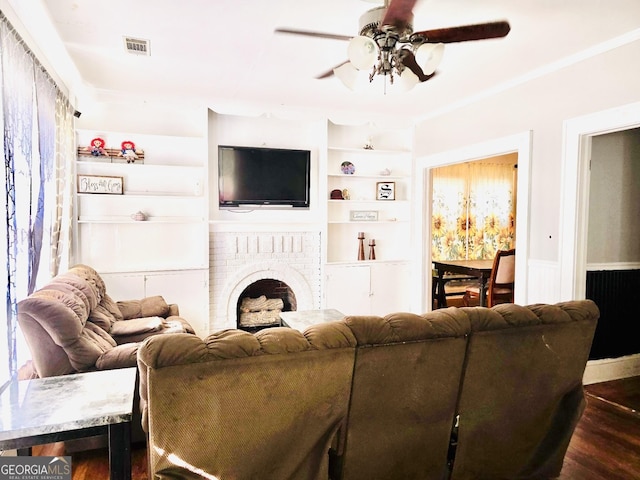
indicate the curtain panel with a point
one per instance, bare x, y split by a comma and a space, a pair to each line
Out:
473, 211
37, 143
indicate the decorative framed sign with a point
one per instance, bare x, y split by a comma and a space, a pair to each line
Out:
100, 184
363, 215
386, 191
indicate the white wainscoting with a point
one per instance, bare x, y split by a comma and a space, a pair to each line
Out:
544, 282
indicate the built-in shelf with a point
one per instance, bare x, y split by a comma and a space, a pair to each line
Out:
169, 188
390, 160
370, 152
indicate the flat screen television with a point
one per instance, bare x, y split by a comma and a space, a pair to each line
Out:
263, 177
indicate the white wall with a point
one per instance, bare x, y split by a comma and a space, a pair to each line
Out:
613, 229
540, 105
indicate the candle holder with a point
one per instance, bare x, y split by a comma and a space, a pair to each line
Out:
361, 246
372, 249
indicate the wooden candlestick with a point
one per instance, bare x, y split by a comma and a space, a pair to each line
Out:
361, 246
372, 249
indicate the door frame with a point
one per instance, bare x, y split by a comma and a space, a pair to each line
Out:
578, 133
521, 144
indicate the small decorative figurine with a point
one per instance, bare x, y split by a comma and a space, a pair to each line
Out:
139, 216
369, 144
97, 147
128, 151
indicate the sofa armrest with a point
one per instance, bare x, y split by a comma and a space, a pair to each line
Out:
179, 325
122, 356
154, 306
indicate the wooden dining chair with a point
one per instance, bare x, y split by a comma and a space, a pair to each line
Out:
500, 286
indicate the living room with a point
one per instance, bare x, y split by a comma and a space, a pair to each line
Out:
548, 116
549, 269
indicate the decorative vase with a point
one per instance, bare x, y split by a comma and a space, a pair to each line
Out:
361, 246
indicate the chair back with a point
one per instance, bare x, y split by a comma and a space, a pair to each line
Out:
502, 281
405, 385
237, 405
521, 395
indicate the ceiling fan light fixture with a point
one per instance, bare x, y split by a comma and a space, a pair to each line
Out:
406, 81
362, 52
429, 56
348, 75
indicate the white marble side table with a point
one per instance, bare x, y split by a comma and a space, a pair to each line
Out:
300, 320
53, 409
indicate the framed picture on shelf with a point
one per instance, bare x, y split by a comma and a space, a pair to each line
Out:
363, 215
100, 184
386, 191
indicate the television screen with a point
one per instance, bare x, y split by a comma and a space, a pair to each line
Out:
263, 176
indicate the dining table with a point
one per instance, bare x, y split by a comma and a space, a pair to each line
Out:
480, 269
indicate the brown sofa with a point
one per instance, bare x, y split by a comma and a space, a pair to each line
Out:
466, 393
72, 324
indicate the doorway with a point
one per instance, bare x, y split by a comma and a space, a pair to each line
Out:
601, 260
520, 145
579, 133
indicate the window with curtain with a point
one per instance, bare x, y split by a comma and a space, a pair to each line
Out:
37, 143
474, 207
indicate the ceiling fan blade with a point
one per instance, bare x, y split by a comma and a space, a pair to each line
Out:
308, 33
330, 73
399, 14
481, 31
409, 61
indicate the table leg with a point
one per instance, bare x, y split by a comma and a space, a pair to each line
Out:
120, 451
442, 296
483, 291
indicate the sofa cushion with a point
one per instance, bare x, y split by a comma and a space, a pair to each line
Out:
147, 307
135, 326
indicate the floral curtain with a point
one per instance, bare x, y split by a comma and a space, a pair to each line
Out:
473, 212
36, 116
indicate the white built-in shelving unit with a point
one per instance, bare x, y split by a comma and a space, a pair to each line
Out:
375, 285
157, 255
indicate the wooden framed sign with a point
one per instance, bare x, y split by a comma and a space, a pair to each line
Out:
100, 184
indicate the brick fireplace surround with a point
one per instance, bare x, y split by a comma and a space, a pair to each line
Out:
238, 259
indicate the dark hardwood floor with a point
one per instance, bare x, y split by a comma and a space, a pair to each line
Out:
606, 442
605, 445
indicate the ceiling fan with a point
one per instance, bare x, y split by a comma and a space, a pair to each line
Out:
388, 47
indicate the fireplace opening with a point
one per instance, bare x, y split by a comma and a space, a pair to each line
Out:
259, 305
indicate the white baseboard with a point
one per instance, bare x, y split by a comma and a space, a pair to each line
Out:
611, 369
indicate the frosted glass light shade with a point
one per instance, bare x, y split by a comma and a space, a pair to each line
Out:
362, 52
406, 81
348, 74
429, 56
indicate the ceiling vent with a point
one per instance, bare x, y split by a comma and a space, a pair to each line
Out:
137, 46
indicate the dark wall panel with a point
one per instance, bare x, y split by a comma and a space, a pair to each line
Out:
617, 294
